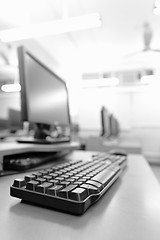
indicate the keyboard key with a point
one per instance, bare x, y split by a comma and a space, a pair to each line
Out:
71, 180
41, 180
98, 185
64, 176
58, 173
47, 177
37, 174
53, 175
75, 177
65, 183
59, 179
32, 185
43, 187
82, 180
86, 177
80, 175
69, 174
29, 177
54, 190
64, 192
55, 182
104, 177
19, 183
78, 183
78, 194
90, 188
63, 171
43, 172
49, 170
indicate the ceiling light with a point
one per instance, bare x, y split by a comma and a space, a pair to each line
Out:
156, 11
15, 87
157, 4
51, 28
150, 79
156, 8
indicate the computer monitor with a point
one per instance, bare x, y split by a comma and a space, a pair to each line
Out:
44, 98
14, 120
114, 126
105, 122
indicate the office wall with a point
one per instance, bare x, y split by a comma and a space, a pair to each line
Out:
133, 107
8, 100
137, 110
91, 101
146, 108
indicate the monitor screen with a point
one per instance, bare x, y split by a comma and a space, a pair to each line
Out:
44, 95
105, 122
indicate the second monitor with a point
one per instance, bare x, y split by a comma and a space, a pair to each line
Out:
44, 99
109, 124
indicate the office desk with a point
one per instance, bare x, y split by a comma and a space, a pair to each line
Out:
102, 144
130, 210
13, 147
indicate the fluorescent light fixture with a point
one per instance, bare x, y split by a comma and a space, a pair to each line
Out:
156, 8
15, 87
51, 28
101, 82
156, 11
157, 4
150, 79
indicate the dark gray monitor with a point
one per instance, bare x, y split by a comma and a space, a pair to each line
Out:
44, 95
105, 122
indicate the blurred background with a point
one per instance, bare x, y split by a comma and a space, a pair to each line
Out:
116, 64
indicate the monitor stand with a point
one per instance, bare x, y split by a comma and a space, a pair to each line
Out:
42, 135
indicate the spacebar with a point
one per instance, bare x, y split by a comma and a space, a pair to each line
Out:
105, 176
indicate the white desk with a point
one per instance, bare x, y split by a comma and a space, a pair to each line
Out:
130, 210
104, 145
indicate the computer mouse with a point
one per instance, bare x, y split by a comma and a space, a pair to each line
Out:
118, 152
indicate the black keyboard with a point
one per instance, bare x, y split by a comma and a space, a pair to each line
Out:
49, 140
25, 161
71, 186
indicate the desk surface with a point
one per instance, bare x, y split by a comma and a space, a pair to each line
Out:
129, 210
103, 144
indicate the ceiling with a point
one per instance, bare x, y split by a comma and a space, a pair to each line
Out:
100, 49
